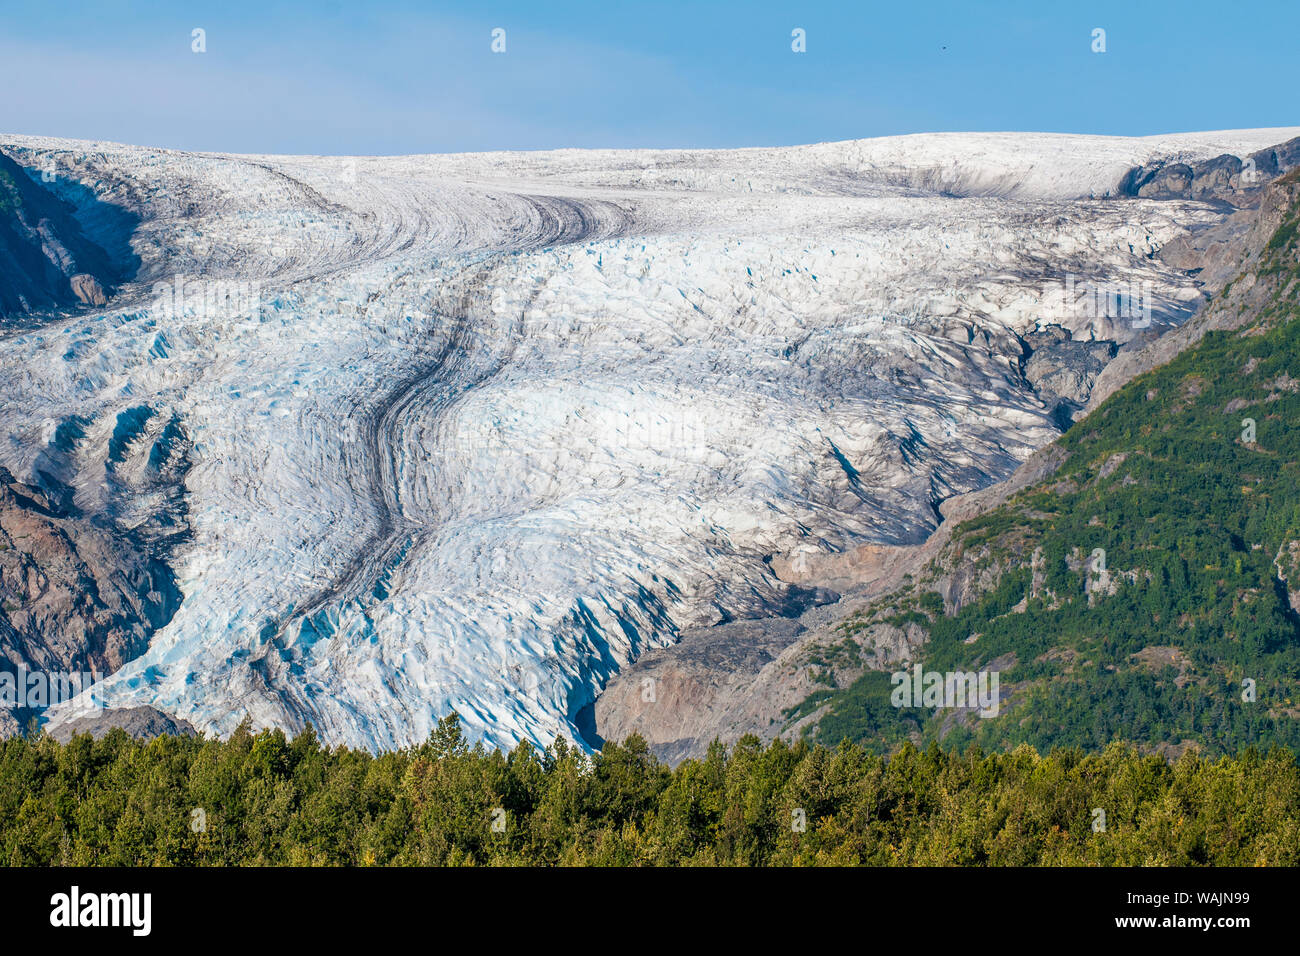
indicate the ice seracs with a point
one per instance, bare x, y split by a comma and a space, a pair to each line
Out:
494, 424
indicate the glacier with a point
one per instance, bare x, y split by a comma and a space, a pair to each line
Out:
472, 432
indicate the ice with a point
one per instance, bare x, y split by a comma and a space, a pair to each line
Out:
473, 432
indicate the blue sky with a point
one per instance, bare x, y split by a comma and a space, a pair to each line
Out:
407, 77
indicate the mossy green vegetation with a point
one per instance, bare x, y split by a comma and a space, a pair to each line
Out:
10, 199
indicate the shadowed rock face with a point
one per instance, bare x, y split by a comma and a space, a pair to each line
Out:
47, 259
1225, 178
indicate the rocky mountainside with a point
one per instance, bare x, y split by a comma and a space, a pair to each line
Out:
478, 432
76, 595
1133, 580
47, 259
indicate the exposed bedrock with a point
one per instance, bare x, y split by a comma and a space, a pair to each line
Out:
59, 246
79, 594
144, 723
1228, 178
1063, 370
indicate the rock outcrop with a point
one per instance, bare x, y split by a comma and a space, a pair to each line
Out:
88, 290
143, 723
1227, 178
48, 260
1063, 370
75, 596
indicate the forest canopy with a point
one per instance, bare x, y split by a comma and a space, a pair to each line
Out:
265, 799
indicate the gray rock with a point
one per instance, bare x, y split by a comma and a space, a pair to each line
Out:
144, 723
88, 290
1063, 371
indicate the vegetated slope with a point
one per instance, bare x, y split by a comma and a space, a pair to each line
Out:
1143, 589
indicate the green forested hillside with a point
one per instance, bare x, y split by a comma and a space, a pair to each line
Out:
1142, 587
262, 799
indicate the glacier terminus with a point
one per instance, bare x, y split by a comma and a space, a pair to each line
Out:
472, 432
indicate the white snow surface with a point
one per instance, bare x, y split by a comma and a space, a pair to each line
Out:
495, 424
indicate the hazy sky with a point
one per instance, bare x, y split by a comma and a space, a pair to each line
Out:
405, 77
